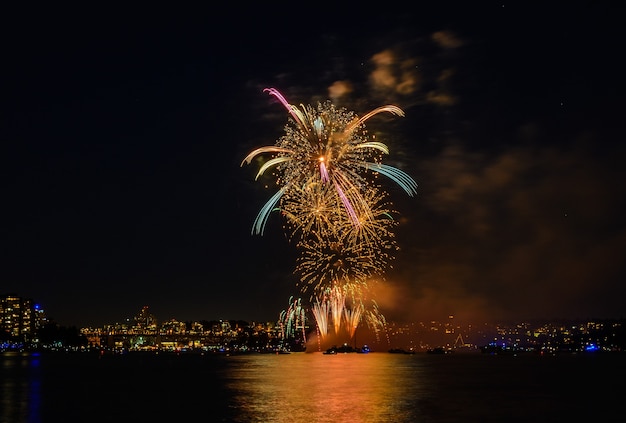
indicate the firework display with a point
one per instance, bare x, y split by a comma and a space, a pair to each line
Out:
293, 319
326, 167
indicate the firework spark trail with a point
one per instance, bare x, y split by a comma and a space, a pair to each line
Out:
337, 305
353, 317
401, 178
293, 319
320, 313
261, 219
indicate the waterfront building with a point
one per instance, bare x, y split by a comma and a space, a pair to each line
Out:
20, 318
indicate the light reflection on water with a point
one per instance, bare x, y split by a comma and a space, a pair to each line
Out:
322, 388
20, 385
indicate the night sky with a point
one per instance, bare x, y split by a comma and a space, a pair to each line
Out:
122, 133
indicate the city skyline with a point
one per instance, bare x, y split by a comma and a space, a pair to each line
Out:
132, 318
25, 326
124, 134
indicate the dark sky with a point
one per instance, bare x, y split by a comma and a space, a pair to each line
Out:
122, 133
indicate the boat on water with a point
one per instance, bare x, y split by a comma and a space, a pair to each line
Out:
345, 348
401, 351
439, 350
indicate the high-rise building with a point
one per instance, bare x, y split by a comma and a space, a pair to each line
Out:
20, 317
145, 321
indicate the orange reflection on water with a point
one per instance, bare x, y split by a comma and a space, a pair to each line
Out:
313, 387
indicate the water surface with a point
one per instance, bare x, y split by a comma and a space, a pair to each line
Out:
310, 387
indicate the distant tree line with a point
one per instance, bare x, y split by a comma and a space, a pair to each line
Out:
49, 334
